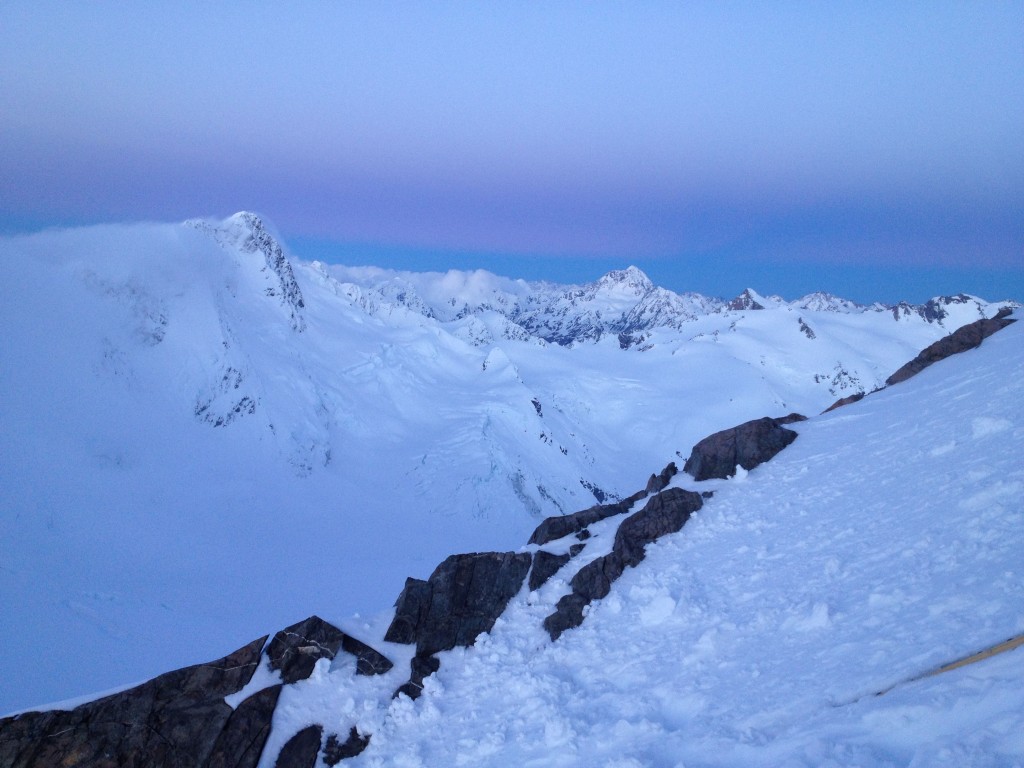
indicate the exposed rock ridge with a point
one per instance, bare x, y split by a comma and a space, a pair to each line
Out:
665, 513
964, 338
182, 720
554, 528
173, 720
257, 239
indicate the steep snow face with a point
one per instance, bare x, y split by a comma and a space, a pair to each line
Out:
196, 427
245, 234
793, 621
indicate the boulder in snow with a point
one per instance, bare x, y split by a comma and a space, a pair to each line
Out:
461, 599
746, 445
301, 750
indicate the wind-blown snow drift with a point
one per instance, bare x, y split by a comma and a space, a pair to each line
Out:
203, 438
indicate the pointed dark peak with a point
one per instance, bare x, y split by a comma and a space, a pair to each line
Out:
749, 299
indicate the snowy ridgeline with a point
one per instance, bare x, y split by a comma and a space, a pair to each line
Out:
204, 438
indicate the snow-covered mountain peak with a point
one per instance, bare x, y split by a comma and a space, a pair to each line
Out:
246, 233
961, 308
751, 299
949, 312
631, 280
820, 301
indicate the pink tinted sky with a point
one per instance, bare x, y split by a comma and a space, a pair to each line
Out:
870, 149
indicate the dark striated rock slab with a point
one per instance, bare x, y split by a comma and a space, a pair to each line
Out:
462, 598
335, 751
295, 650
665, 513
967, 337
302, 749
746, 445
172, 721
240, 743
369, 661
545, 565
659, 482
410, 611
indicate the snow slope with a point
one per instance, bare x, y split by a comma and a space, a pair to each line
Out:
203, 437
881, 545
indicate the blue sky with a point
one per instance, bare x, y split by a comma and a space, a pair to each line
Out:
869, 149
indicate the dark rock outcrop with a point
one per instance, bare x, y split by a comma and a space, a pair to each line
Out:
545, 565
745, 300
554, 528
659, 482
843, 401
181, 719
301, 750
746, 445
174, 720
462, 598
967, 337
295, 650
665, 513
369, 661
411, 612
792, 418
241, 742
421, 667
335, 751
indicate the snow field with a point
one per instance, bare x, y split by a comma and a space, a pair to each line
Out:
760, 634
